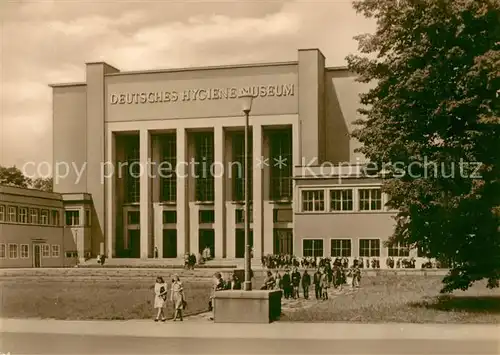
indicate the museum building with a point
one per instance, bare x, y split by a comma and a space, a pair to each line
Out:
160, 154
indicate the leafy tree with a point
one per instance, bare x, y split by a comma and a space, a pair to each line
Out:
43, 184
13, 176
435, 107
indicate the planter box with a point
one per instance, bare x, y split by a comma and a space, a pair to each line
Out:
260, 306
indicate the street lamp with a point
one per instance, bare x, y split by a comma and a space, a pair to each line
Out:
246, 108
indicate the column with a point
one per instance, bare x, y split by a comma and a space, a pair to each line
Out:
182, 193
220, 195
145, 200
258, 192
110, 188
158, 228
297, 160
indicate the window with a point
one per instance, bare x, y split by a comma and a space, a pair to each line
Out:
207, 216
55, 250
312, 247
72, 218
71, 254
313, 200
133, 168
341, 200
33, 216
238, 166
13, 251
3, 251
2, 213
169, 217
398, 249
55, 218
25, 251
133, 217
204, 155
369, 247
168, 165
44, 217
283, 241
45, 250
23, 215
240, 215
370, 200
12, 215
283, 215
341, 248
87, 218
281, 161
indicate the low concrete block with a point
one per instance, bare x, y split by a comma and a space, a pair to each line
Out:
259, 306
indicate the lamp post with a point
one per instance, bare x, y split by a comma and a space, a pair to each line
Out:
247, 106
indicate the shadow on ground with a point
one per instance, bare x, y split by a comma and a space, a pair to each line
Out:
474, 304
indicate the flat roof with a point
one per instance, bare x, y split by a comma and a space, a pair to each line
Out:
21, 191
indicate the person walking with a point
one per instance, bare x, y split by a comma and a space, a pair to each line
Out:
306, 282
317, 284
295, 282
160, 302
177, 297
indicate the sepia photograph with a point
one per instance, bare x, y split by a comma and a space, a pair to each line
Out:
250, 177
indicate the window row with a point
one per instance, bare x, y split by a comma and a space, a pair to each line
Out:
16, 251
28, 215
343, 248
342, 200
72, 218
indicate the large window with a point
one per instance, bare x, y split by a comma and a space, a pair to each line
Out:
45, 250
369, 247
25, 253
238, 166
33, 215
12, 214
398, 250
313, 200
281, 164
169, 217
13, 251
3, 251
44, 217
341, 200
55, 250
133, 169
169, 164
2, 213
341, 248
204, 147
72, 218
370, 199
206, 216
23, 215
133, 217
312, 247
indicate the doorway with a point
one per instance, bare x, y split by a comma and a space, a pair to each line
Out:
37, 255
240, 242
283, 241
207, 238
170, 243
134, 243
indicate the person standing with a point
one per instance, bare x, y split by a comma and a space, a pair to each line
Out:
324, 285
306, 282
177, 297
286, 282
277, 277
317, 284
160, 303
295, 282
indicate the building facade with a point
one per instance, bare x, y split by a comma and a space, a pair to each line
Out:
160, 155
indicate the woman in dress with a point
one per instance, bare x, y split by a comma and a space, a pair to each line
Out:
177, 297
160, 298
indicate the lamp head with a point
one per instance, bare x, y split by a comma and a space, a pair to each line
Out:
246, 102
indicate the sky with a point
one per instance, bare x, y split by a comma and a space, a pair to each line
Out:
49, 41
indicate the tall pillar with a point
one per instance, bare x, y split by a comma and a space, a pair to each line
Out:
220, 189
258, 191
110, 188
158, 228
297, 160
182, 193
145, 200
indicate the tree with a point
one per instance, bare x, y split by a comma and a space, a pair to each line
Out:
435, 107
42, 184
12, 176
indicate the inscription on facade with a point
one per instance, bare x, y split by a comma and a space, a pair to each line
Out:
152, 97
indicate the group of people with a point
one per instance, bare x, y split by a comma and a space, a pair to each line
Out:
325, 277
177, 298
190, 260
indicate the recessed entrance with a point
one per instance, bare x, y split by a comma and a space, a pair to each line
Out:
169, 243
37, 255
207, 239
134, 243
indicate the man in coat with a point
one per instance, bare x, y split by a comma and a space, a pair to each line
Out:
295, 282
317, 284
306, 282
287, 284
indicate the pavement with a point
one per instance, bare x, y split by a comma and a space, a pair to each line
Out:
200, 336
